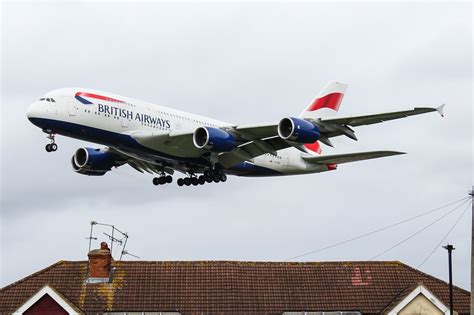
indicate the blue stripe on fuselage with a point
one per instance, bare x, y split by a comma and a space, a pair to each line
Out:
250, 169
83, 100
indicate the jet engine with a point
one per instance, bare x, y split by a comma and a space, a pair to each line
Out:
214, 139
298, 130
93, 162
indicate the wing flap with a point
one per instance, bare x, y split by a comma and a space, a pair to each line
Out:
253, 149
260, 131
349, 157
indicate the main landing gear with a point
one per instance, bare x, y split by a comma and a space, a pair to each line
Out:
207, 177
163, 179
51, 147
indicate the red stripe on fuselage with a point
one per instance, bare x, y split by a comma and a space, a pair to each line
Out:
99, 97
331, 101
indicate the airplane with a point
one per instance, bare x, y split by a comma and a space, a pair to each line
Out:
161, 141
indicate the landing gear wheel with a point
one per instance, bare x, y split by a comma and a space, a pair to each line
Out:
216, 179
180, 182
51, 147
223, 177
156, 181
208, 179
162, 180
187, 181
201, 180
194, 181
169, 179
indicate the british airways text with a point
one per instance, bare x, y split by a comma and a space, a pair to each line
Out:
128, 114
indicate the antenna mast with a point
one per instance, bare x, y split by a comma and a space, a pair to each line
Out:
112, 237
471, 193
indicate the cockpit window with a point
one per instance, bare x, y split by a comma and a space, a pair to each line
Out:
47, 99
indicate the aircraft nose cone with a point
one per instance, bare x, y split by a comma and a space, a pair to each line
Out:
32, 110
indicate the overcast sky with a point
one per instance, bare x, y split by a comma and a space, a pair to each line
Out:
242, 63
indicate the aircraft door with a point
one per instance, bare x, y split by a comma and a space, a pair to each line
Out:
125, 122
55, 107
72, 108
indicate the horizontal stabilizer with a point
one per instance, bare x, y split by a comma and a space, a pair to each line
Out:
348, 157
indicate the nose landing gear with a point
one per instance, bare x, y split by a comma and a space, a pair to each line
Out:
51, 147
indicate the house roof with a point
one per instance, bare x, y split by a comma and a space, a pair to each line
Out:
233, 287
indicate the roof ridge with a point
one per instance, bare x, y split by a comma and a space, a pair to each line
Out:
58, 263
262, 261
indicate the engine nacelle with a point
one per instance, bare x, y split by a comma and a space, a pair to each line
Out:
94, 162
298, 130
214, 139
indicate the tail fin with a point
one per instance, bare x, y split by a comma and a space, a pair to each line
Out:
327, 102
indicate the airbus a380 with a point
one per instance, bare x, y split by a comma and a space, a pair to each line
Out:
160, 140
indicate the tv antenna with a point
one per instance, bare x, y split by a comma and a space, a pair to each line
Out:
114, 239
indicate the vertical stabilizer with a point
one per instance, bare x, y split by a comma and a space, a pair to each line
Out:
327, 102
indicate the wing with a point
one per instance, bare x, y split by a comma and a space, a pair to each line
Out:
259, 139
264, 138
348, 157
146, 164
341, 126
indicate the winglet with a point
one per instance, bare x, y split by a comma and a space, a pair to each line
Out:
440, 110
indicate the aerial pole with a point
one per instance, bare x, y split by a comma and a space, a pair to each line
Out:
450, 249
472, 249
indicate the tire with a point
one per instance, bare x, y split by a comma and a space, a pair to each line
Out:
53, 147
180, 182
187, 181
208, 179
169, 179
48, 148
216, 179
223, 178
201, 180
156, 181
162, 180
194, 181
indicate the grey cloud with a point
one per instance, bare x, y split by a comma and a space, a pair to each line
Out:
243, 63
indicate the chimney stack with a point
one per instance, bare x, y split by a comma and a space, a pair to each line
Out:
100, 261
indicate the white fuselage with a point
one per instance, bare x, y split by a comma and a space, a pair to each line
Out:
115, 120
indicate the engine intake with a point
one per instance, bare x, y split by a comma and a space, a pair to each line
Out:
298, 130
89, 161
214, 139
